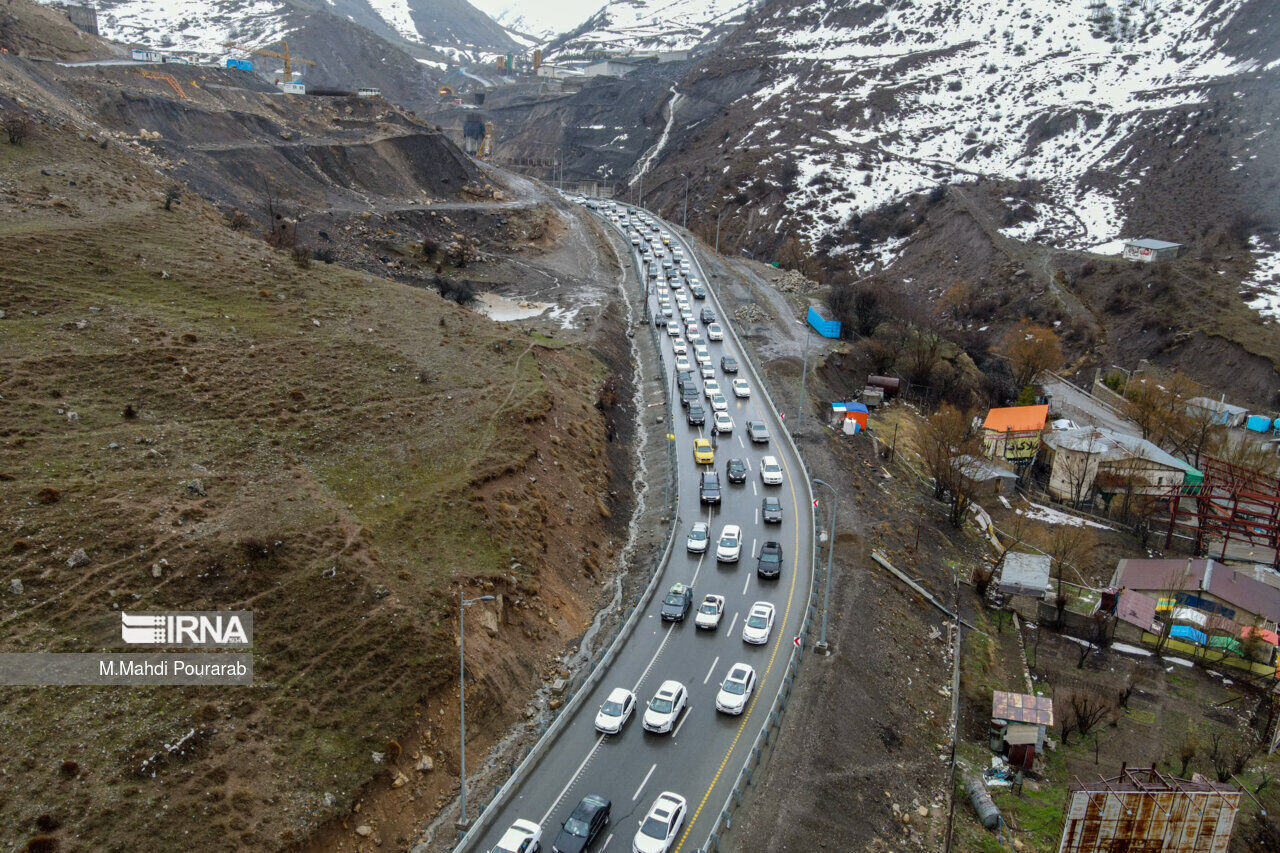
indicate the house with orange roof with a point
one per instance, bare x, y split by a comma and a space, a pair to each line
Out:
1013, 432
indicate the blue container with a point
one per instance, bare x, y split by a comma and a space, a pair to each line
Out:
242, 64
1258, 423
823, 326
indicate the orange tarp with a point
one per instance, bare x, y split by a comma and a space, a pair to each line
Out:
1017, 419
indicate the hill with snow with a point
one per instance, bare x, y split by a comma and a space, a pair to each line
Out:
621, 26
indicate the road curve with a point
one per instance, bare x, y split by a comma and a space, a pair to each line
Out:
702, 757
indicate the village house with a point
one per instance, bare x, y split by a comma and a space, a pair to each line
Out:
1024, 579
1219, 598
1219, 411
1149, 251
1018, 724
1090, 460
1012, 433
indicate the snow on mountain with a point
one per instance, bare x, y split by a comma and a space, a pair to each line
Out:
441, 29
621, 26
539, 19
897, 99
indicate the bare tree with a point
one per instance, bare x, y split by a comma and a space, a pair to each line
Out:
1082, 711
172, 196
1175, 584
18, 125
945, 435
1031, 348
1069, 545
1187, 751
1230, 753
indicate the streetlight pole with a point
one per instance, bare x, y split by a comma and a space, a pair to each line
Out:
822, 647
463, 823
723, 211
804, 375
684, 223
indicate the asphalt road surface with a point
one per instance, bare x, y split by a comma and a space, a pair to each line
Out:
701, 757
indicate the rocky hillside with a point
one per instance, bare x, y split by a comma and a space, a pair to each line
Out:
821, 126
622, 26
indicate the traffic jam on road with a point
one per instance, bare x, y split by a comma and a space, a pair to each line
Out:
732, 579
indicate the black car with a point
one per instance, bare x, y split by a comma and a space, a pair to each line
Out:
584, 825
689, 394
728, 364
709, 487
769, 563
771, 511
736, 470
708, 316
758, 431
697, 291
696, 414
677, 603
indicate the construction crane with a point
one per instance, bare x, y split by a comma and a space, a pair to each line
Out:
283, 55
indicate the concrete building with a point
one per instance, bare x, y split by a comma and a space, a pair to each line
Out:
1013, 433
987, 478
610, 68
1089, 460
558, 72
1149, 251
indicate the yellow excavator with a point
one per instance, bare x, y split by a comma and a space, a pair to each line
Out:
282, 54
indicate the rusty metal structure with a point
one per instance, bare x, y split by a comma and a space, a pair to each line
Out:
1233, 504
1145, 811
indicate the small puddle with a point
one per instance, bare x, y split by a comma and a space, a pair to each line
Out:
504, 309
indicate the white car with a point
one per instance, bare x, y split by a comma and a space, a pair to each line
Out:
682, 363
698, 536
711, 387
729, 548
759, 624
700, 353
741, 388
635, 239
708, 371
721, 422
735, 690
715, 333
524, 836
665, 707
770, 471
679, 347
673, 329
615, 711
661, 826
691, 332
709, 612
719, 403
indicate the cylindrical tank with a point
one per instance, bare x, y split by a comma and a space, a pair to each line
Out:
982, 803
890, 384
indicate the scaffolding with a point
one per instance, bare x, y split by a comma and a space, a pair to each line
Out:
1231, 504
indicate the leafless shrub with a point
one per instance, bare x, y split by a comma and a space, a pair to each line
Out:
18, 125
302, 257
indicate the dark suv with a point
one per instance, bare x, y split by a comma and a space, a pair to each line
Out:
709, 488
696, 414
769, 563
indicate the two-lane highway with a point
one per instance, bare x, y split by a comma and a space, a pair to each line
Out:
701, 756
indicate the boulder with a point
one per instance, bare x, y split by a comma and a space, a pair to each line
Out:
79, 558
364, 830
195, 488
15, 586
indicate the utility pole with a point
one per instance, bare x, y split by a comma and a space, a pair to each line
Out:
804, 375
822, 647
723, 211
685, 221
463, 823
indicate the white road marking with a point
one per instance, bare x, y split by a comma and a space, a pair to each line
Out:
753, 548
609, 838
645, 781
746, 583
572, 779
748, 461
679, 725
713, 669
753, 488
731, 623
757, 515
701, 558
653, 660
740, 444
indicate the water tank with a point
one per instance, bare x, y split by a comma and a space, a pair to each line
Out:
982, 803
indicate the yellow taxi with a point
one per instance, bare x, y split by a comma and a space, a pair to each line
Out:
702, 452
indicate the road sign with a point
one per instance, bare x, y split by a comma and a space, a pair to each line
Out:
671, 436
815, 502
797, 642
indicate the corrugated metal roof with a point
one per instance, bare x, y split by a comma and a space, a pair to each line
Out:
1237, 588
1022, 708
1136, 609
1024, 574
1017, 418
1148, 243
1111, 445
1213, 405
981, 470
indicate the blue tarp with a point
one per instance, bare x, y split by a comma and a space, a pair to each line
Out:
1186, 632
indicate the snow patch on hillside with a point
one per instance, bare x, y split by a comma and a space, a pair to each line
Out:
1048, 92
398, 16
622, 26
194, 26
1263, 287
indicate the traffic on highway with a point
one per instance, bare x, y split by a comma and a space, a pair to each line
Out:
645, 763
